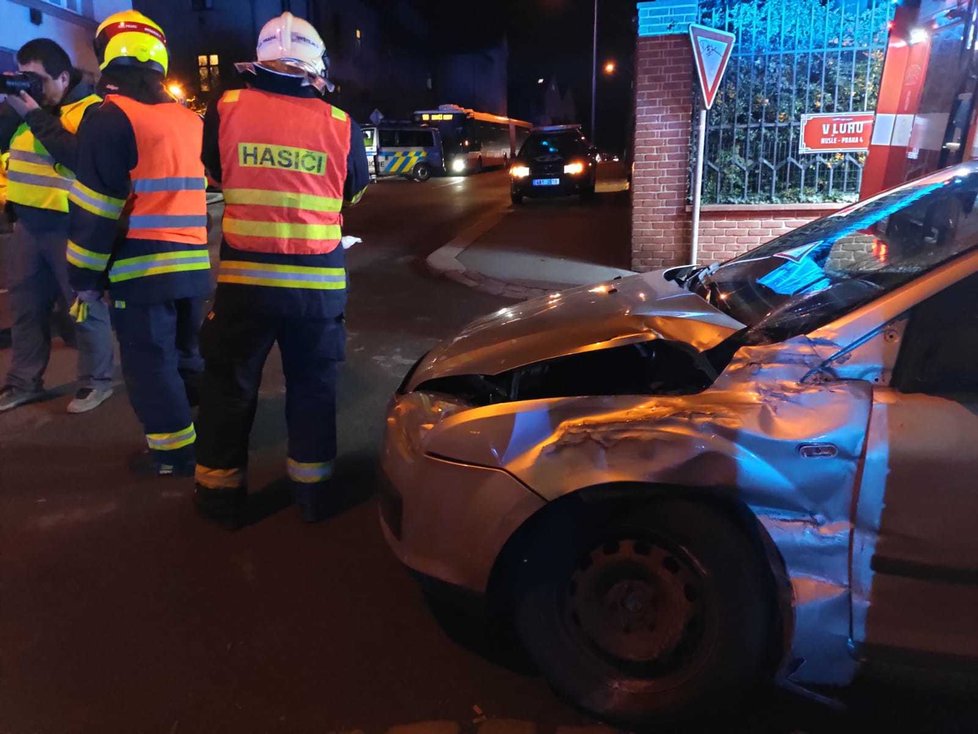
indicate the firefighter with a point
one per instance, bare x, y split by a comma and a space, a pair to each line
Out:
40, 147
139, 223
287, 161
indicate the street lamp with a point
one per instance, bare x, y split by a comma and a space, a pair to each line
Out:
594, 73
610, 67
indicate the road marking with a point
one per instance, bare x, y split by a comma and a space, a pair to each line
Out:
451, 182
445, 258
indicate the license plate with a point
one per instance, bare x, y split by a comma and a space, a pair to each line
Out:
546, 182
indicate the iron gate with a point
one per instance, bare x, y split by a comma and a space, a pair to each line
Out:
792, 57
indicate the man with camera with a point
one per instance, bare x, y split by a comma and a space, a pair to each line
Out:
45, 105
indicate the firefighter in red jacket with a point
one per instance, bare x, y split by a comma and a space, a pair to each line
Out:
287, 161
139, 227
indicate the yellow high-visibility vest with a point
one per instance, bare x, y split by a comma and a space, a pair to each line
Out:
3, 179
33, 177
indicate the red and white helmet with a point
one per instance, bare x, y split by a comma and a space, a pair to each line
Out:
287, 41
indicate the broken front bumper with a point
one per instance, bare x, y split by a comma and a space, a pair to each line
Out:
446, 519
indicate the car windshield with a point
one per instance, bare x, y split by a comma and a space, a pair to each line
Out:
558, 144
825, 269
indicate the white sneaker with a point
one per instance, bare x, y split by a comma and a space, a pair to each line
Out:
89, 398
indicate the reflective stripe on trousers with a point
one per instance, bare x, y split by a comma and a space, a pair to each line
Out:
306, 473
171, 441
219, 478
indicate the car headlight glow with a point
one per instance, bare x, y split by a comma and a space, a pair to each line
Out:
574, 169
519, 171
458, 165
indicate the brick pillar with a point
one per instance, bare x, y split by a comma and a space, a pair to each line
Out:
664, 89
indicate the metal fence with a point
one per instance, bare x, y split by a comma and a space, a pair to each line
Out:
792, 57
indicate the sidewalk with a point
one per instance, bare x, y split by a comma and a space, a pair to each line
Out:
545, 245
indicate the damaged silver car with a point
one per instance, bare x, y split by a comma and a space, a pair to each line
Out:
685, 482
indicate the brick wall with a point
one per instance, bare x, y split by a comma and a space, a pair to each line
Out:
726, 231
663, 17
665, 86
663, 98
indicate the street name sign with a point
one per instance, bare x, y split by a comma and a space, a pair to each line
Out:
836, 133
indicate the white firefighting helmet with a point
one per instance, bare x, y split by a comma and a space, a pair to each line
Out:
292, 46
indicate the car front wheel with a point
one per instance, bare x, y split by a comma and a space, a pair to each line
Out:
654, 614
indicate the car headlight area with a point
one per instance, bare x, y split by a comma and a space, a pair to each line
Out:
445, 519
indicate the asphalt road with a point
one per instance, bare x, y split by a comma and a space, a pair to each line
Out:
122, 611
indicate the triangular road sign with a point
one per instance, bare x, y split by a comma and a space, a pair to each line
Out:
711, 49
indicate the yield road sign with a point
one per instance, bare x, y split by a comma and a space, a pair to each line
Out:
711, 50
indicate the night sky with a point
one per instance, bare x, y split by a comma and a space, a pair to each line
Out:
551, 38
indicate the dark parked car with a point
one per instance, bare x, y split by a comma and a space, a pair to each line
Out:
554, 161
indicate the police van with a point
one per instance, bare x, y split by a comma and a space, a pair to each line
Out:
409, 151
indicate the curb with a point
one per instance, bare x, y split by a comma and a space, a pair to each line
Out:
444, 262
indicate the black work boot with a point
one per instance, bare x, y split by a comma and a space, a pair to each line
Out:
311, 499
224, 507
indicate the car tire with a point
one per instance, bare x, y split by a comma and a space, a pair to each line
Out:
422, 172
516, 198
648, 614
588, 192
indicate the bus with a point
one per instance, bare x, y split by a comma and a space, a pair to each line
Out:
474, 140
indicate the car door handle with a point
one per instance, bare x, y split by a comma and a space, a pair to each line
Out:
818, 450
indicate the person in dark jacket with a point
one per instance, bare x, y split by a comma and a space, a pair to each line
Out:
288, 161
40, 137
139, 223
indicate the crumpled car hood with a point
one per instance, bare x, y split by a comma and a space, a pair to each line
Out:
634, 309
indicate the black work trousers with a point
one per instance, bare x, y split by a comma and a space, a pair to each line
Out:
235, 343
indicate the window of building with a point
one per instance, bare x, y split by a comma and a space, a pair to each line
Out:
73, 5
209, 72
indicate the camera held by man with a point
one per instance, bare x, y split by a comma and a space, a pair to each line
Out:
28, 82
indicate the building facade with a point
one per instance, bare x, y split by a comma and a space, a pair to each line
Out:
382, 53
71, 23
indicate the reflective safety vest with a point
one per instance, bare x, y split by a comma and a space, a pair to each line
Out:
283, 162
168, 200
33, 178
4, 157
